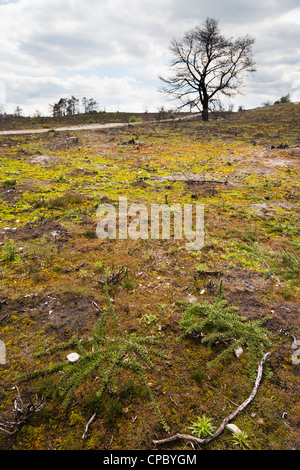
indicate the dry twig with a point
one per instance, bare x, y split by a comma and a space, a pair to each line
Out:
114, 278
22, 413
226, 420
87, 425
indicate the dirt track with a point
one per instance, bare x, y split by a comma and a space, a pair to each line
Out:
89, 126
69, 128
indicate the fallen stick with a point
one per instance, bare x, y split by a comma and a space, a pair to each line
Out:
97, 307
226, 420
191, 181
87, 426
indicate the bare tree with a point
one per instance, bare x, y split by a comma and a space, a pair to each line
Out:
207, 65
71, 105
89, 105
59, 109
85, 104
37, 113
92, 105
18, 111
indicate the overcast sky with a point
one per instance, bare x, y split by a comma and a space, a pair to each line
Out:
114, 50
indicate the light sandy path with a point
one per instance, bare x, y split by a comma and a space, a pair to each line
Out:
91, 126
71, 128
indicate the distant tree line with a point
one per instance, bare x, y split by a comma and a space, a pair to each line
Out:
283, 99
17, 112
70, 106
64, 107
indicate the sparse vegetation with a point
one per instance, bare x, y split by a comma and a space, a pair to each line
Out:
135, 119
108, 355
284, 99
10, 253
202, 427
160, 337
241, 440
9, 182
217, 323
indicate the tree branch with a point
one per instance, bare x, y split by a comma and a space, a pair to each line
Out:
226, 420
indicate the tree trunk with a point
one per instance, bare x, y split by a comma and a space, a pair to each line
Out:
205, 111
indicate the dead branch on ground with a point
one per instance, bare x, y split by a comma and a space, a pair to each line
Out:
226, 420
114, 278
87, 426
64, 142
191, 180
21, 413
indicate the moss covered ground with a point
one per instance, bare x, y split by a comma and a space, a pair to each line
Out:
244, 168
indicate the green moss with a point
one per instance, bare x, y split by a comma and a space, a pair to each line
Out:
251, 239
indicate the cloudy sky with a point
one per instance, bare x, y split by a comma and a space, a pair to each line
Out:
114, 50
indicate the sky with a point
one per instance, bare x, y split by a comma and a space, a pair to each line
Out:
115, 50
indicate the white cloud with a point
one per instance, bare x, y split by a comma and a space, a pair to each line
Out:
114, 50
78, 33
112, 94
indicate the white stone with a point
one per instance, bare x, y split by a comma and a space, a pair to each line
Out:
191, 298
233, 428
238, 351
73, 357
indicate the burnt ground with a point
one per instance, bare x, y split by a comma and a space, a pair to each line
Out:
53, 289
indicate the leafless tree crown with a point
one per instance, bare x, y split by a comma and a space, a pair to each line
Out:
206, 65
